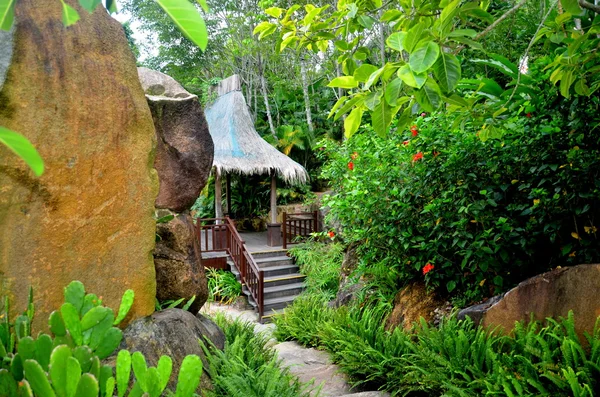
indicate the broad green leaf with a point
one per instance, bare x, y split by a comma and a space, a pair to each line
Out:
566, 81
447, 71
451, 285
22, 148
410, 78
392, 91
275, 12
463, 33
69, 14
337, 105
572, 7
203, 4
352, 102
111, 6
366, 21
187, 19
429, 97
374, 77
363, 73
413, 36
89, 5
497, 65
343, 82
372, 100
457, 100
382, 117
264, 29
424, 57
7, 14
352, 122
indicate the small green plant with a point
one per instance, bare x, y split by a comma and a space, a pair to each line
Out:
172, 303
222, 286
321, 263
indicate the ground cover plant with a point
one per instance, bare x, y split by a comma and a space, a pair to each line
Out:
222, 286
321, 264
458, 358
247, 366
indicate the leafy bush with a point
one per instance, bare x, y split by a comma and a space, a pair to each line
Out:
247, 367
321, 263
484, 214
222, 286
457, 358
68, 363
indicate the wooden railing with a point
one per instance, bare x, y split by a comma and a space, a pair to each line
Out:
220, 234
299, 225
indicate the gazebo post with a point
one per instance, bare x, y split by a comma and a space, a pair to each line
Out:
274, 228
228, 192
218, 196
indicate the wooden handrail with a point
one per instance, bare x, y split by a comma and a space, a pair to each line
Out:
300, 224
250, 274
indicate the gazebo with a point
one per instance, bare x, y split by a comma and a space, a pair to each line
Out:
240, 150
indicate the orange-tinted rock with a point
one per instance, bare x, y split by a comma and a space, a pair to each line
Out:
412, 303
551, 294
75, 93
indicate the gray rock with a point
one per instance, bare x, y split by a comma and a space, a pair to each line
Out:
6, 51
175, 333
311, 365
476, 312
179, 272
185, 150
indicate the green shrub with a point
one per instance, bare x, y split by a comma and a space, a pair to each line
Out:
321, 263
484, 214
222, 286
247, 367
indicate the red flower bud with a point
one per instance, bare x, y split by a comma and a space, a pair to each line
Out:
354, 155
418, 156
528, 115
405, 143
331, 234
351, 166
427, 268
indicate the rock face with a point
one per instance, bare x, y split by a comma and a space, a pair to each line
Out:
185, 150
75, 93
179, 273
175, 333
551, 294
412, 303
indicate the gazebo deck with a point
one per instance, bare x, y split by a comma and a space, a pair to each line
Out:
255, 241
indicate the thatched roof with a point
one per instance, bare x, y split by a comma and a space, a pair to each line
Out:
238, 147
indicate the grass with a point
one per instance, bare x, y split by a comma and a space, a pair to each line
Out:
222, 286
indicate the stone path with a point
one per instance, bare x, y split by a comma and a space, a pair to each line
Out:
306, 364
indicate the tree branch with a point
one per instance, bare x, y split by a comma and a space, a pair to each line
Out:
589, 6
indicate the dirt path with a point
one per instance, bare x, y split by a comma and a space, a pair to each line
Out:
306, 364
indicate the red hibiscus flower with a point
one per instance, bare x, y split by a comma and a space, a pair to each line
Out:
427, 268
418, 156
351, 166
331, 234
414, 130
354, 155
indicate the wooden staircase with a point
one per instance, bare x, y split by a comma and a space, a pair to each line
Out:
282, 281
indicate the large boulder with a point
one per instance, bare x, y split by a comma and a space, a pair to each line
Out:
174, 333
185, 150
551, 294
411, 304
75, 93
179, 272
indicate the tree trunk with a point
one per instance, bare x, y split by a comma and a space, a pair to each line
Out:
263, 84
311, 128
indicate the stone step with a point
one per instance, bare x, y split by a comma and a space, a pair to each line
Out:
283, 290
268, 254
271, 272
273, 261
